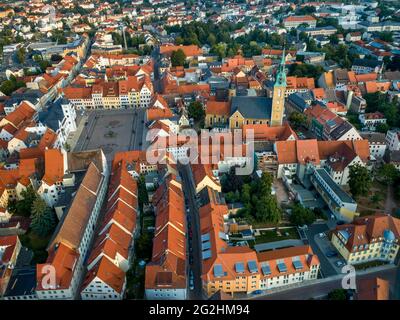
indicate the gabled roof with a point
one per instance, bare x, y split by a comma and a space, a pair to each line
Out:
252, 107
54, 166
63, 259
74, 222
107, 272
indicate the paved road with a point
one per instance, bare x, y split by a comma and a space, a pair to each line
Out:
326, 267
390, 203
319, 290
155, 54
189, 191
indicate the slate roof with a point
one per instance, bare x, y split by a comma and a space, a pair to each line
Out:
53, 114
367, 63
252, 107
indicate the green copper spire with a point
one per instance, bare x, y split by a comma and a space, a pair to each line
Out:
281, 74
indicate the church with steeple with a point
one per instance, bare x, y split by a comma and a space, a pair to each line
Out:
261, 110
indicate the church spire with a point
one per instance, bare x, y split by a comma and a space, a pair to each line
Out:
281, 74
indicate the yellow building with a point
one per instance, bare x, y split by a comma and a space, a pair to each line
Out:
260, 110
368, 239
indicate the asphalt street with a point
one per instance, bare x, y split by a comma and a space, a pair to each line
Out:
189, 191
326, 267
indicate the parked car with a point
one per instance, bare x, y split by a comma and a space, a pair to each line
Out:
331, 253
190, 259
340, 222
256, 292
191, 284
322, 235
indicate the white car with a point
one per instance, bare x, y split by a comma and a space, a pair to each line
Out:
321, 235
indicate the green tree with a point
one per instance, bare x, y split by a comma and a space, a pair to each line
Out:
44, 219
359, 180
382, 127
301, 216
388, 173
196, 111
211, 39
337, 294
23, 207
178, 58
21, 55
297, 119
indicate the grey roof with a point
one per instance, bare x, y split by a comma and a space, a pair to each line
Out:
340, 130
53, 114
299, 101
207, 195
24, 94
367, 63
344, 197
373, 137
252, 107
22, 282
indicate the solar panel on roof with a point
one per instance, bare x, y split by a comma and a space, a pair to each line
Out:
282, 267
205, 245
239, 267
266, 270
297, 264
252, 265
205, 237
206, 254
218, 272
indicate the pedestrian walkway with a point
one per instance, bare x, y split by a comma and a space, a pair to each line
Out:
74, 136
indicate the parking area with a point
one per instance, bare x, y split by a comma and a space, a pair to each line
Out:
331, 254
112, 131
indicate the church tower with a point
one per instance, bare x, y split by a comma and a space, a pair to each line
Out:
278, 97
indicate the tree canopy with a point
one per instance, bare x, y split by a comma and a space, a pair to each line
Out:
259, 204
178, 58
359, 180
44, 219
301, 215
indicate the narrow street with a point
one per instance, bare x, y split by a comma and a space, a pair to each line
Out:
189, 191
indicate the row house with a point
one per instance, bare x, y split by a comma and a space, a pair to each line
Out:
130, 93
236, 269
60, 277
111, 255
377, 144
166, 273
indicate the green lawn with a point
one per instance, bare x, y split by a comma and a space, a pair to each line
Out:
272, 235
